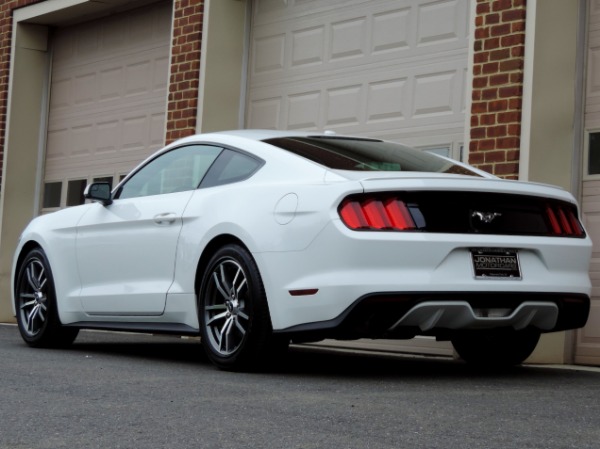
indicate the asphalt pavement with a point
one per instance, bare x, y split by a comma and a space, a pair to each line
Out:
114, 390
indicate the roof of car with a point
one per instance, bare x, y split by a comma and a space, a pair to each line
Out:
263, 134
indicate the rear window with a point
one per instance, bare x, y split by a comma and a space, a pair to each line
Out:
341, 153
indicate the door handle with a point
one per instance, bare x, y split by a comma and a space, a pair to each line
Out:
165, 219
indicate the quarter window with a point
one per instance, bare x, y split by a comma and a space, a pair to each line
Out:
231, 166
178, 170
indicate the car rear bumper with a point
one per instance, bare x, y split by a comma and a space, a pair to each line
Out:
341, 268
406, 314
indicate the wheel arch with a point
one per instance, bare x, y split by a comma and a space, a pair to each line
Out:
209, 250
25, 249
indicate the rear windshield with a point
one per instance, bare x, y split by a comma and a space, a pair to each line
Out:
341, 153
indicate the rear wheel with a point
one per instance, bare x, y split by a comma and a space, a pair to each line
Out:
234, 315
35, 301
496, 348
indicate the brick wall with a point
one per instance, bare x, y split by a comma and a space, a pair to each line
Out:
185, 69
499, 46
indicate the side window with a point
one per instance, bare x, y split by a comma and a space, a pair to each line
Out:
176, 171
231, 166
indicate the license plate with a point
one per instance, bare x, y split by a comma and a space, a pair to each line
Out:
496, 263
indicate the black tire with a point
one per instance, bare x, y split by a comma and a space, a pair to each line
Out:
234, 317
497, 348
35, 304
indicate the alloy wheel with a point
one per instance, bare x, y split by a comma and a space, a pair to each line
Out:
226, 317
32, 297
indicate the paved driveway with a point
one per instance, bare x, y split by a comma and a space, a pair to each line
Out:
137, 391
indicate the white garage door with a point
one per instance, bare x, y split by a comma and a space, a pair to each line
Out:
108, 99
393, 69
588, 339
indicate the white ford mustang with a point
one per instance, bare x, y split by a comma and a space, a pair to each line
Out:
253, 239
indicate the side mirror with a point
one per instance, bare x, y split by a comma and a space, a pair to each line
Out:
98, 191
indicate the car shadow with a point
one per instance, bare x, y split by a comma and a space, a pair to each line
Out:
305, 361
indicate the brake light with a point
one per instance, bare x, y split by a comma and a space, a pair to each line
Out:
372, 213
563, 221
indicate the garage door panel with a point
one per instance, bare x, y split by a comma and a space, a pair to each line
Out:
87, 145
108, 93
370, 67
385, 31
97, 84
381, 99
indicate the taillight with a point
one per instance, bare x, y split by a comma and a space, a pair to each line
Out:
563, 221
373, 213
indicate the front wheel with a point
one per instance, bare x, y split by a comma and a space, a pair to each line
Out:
36, 307
497, 348
234, 315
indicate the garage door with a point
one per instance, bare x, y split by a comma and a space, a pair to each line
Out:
588, 339
107, 101
394, 69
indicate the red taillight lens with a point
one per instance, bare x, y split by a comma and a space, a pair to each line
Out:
374, 213
563, 221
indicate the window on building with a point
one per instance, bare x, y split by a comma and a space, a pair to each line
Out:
52, 194
108, 179
75, 190
594, 154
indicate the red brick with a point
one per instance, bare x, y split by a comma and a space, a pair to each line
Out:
480, 81
513, 155
498, 55
478, 133
487, 119
500, 30
508, 142
518, 27
509, 168
511, 64
513, 39
496, 131
490, 68
498, 105
476, 158
513, 15
498, 80
492, 19
492, 43
501, 5
509, 117
514, 130
487, 144
479, 107
482, 8
481, 57
510, 91
489, 94
495, 156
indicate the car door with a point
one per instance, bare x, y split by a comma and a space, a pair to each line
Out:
126, 250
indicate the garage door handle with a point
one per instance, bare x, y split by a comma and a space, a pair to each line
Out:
165, 219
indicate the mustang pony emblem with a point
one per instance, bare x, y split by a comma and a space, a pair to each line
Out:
486, 217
